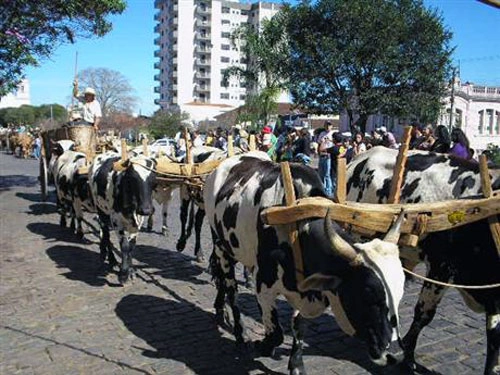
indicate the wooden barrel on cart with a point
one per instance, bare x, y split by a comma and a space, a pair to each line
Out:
84, 137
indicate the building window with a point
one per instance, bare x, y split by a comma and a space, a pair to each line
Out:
226, 22
489, 121
225, 47
224, 96
224, 59
480, 128
225, 10
225, 34
242, 97
497, 124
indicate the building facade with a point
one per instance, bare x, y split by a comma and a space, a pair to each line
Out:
474, 108
20, 96
194, 47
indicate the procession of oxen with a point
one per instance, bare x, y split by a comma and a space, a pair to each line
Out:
315, 261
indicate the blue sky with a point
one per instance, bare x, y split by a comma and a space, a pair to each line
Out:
129, 49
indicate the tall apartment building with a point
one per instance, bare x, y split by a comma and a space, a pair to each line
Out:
194, 47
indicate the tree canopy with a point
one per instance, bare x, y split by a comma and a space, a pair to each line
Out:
368, 57
166, 124
113, 90
32, 30
32, 115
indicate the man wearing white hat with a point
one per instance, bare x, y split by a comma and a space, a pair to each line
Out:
91, 111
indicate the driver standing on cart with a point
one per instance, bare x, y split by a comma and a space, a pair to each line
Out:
90, 108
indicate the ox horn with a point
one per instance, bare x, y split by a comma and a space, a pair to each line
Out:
339, 246
395, 230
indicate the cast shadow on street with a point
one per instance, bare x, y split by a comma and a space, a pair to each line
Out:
182, 332
168, 264
54, 232
38, 209
82, 264
324, 332
8, 182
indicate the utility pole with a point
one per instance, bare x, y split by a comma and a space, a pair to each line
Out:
452, 98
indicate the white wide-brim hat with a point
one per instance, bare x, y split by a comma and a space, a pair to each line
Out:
89, 90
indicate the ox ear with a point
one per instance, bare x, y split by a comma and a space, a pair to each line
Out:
319, 282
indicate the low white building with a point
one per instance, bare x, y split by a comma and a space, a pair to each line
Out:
476, 110
17, 98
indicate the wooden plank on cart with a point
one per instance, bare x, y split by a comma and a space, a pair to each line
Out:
293, 233
378, 217
341, 191
486, 188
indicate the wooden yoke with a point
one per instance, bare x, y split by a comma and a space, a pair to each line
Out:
145, 148
230, 146
341, 191
293, 233
486, 188
251, 143
397, 181
397, 177
189, 159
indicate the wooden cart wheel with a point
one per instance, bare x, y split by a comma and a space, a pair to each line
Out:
43, 178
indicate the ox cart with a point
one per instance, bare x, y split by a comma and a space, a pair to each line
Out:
84, 138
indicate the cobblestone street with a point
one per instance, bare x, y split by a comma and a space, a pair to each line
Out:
60, 314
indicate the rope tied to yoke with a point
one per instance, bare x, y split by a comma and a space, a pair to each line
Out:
457, 286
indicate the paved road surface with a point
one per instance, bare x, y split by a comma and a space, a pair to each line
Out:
60, 315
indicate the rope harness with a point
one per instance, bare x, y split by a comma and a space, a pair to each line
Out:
458, 286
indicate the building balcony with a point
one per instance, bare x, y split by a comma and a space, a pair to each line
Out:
201, 49
175, 61
200, 75
157, 53
201, 62
174, 21
157, 89
202, 36
157, 28
156, 65
203, 10
156, 77
172, 87
157, 41
200, 23
173, 34
157, 16
202, 88
157, 101
174, 74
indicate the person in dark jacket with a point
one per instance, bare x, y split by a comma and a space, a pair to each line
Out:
442, 142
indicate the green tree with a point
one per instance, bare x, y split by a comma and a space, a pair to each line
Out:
113, 90
32, 30
265, 51
368, 57
55, 112
166, 123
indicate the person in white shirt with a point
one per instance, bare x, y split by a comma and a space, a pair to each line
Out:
91, 109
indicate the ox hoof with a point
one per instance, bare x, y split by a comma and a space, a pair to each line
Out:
298, 371
124, 277
181, 245
164, 231
263, 349
149, 229
200, 258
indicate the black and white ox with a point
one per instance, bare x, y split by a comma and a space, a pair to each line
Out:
72, 189
466, 255
362, 282
123, 197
